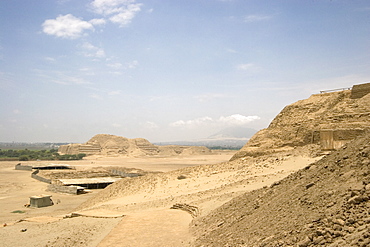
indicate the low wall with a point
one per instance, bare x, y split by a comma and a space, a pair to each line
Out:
124, 174
63, 189
37, 177
335, 139
192, 210
360, 90
22, 167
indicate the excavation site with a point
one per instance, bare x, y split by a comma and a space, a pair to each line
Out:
302, 181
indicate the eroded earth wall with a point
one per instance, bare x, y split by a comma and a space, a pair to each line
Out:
303, 122
103, 144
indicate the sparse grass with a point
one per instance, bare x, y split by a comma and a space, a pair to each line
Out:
18, 212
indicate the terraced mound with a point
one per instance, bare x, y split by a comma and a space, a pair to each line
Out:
103, 144
327, 203
269, 193
328, 120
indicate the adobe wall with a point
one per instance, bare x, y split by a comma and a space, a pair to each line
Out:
22, 167
69, 149
359, 91
41, 201
124, 174
37, 177
62, 189
331, 139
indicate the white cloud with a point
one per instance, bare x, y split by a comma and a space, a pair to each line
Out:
115, 65
256, 18
87, 71
250, 67
50, 59
97, 22
120, 12
77, 80
115, 72
126, 15
149, 125
133, 64
95, 96
118, 65
93, 51
238, 119
117, 92
231, 50
232, 120
61, 78
66, 26
116, 125
194, 122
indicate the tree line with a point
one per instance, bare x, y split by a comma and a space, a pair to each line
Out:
26, 154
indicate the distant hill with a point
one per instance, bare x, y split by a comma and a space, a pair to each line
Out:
234, 132
30, 145
328, 120
104, 144
230, 138
324, 204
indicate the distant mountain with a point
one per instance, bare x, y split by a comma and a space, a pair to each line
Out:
30, 145
230, 138
234, 132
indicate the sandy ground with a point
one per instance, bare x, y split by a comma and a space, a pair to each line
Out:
144, 201
156, 228
156, 163
17, 186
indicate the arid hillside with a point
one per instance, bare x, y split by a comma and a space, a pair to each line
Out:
303, 181
328, 120
103, 144
326, 203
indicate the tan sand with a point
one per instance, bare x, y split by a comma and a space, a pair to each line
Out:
154, 228
145, 203
46, 226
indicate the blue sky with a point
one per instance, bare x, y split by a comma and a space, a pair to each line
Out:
168, 70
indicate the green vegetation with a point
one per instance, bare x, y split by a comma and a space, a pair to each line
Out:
18, 212
25, 154
225, 147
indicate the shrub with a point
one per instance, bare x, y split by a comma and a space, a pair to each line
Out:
23, 158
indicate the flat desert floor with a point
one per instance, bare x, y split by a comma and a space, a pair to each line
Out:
133, 212
24, 226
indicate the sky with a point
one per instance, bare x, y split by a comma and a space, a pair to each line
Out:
170, 70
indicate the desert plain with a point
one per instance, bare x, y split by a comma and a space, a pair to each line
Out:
25, 226
303, 181
141, 217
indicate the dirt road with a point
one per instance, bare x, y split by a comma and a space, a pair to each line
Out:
154, 228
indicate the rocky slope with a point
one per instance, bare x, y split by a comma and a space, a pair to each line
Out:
325, 203
103, 144
340, 114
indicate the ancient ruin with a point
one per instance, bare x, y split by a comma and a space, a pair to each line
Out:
326, 120
303, 181
41, 201
104, 144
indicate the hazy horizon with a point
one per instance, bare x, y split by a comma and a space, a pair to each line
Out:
170, 70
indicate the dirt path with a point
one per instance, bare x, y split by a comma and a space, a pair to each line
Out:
154, 228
